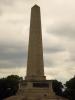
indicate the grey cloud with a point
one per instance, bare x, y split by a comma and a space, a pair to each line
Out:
49, 63
54, 49
63, 29
12, 2
72, 57
12, 55
0, 12
12, 5
6, 2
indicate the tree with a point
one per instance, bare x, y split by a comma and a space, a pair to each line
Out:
57, 87
70, 89
9, 86
12, 83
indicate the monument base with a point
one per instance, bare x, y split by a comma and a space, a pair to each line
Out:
35, 90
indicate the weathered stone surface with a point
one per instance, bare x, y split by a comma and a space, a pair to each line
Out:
35, 65
35, 98
16, 98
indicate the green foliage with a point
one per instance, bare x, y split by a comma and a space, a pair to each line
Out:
57, 87
9, 86
71, 83
70, 89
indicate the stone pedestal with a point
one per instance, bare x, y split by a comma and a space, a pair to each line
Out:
35, 90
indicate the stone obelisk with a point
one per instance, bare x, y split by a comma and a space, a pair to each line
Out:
35, 86
35, 65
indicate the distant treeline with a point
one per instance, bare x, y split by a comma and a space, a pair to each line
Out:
9, 86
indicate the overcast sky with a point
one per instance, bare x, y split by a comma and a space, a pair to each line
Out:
58, 32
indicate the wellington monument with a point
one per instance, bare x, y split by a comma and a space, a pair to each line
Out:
35, 86
35, 65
